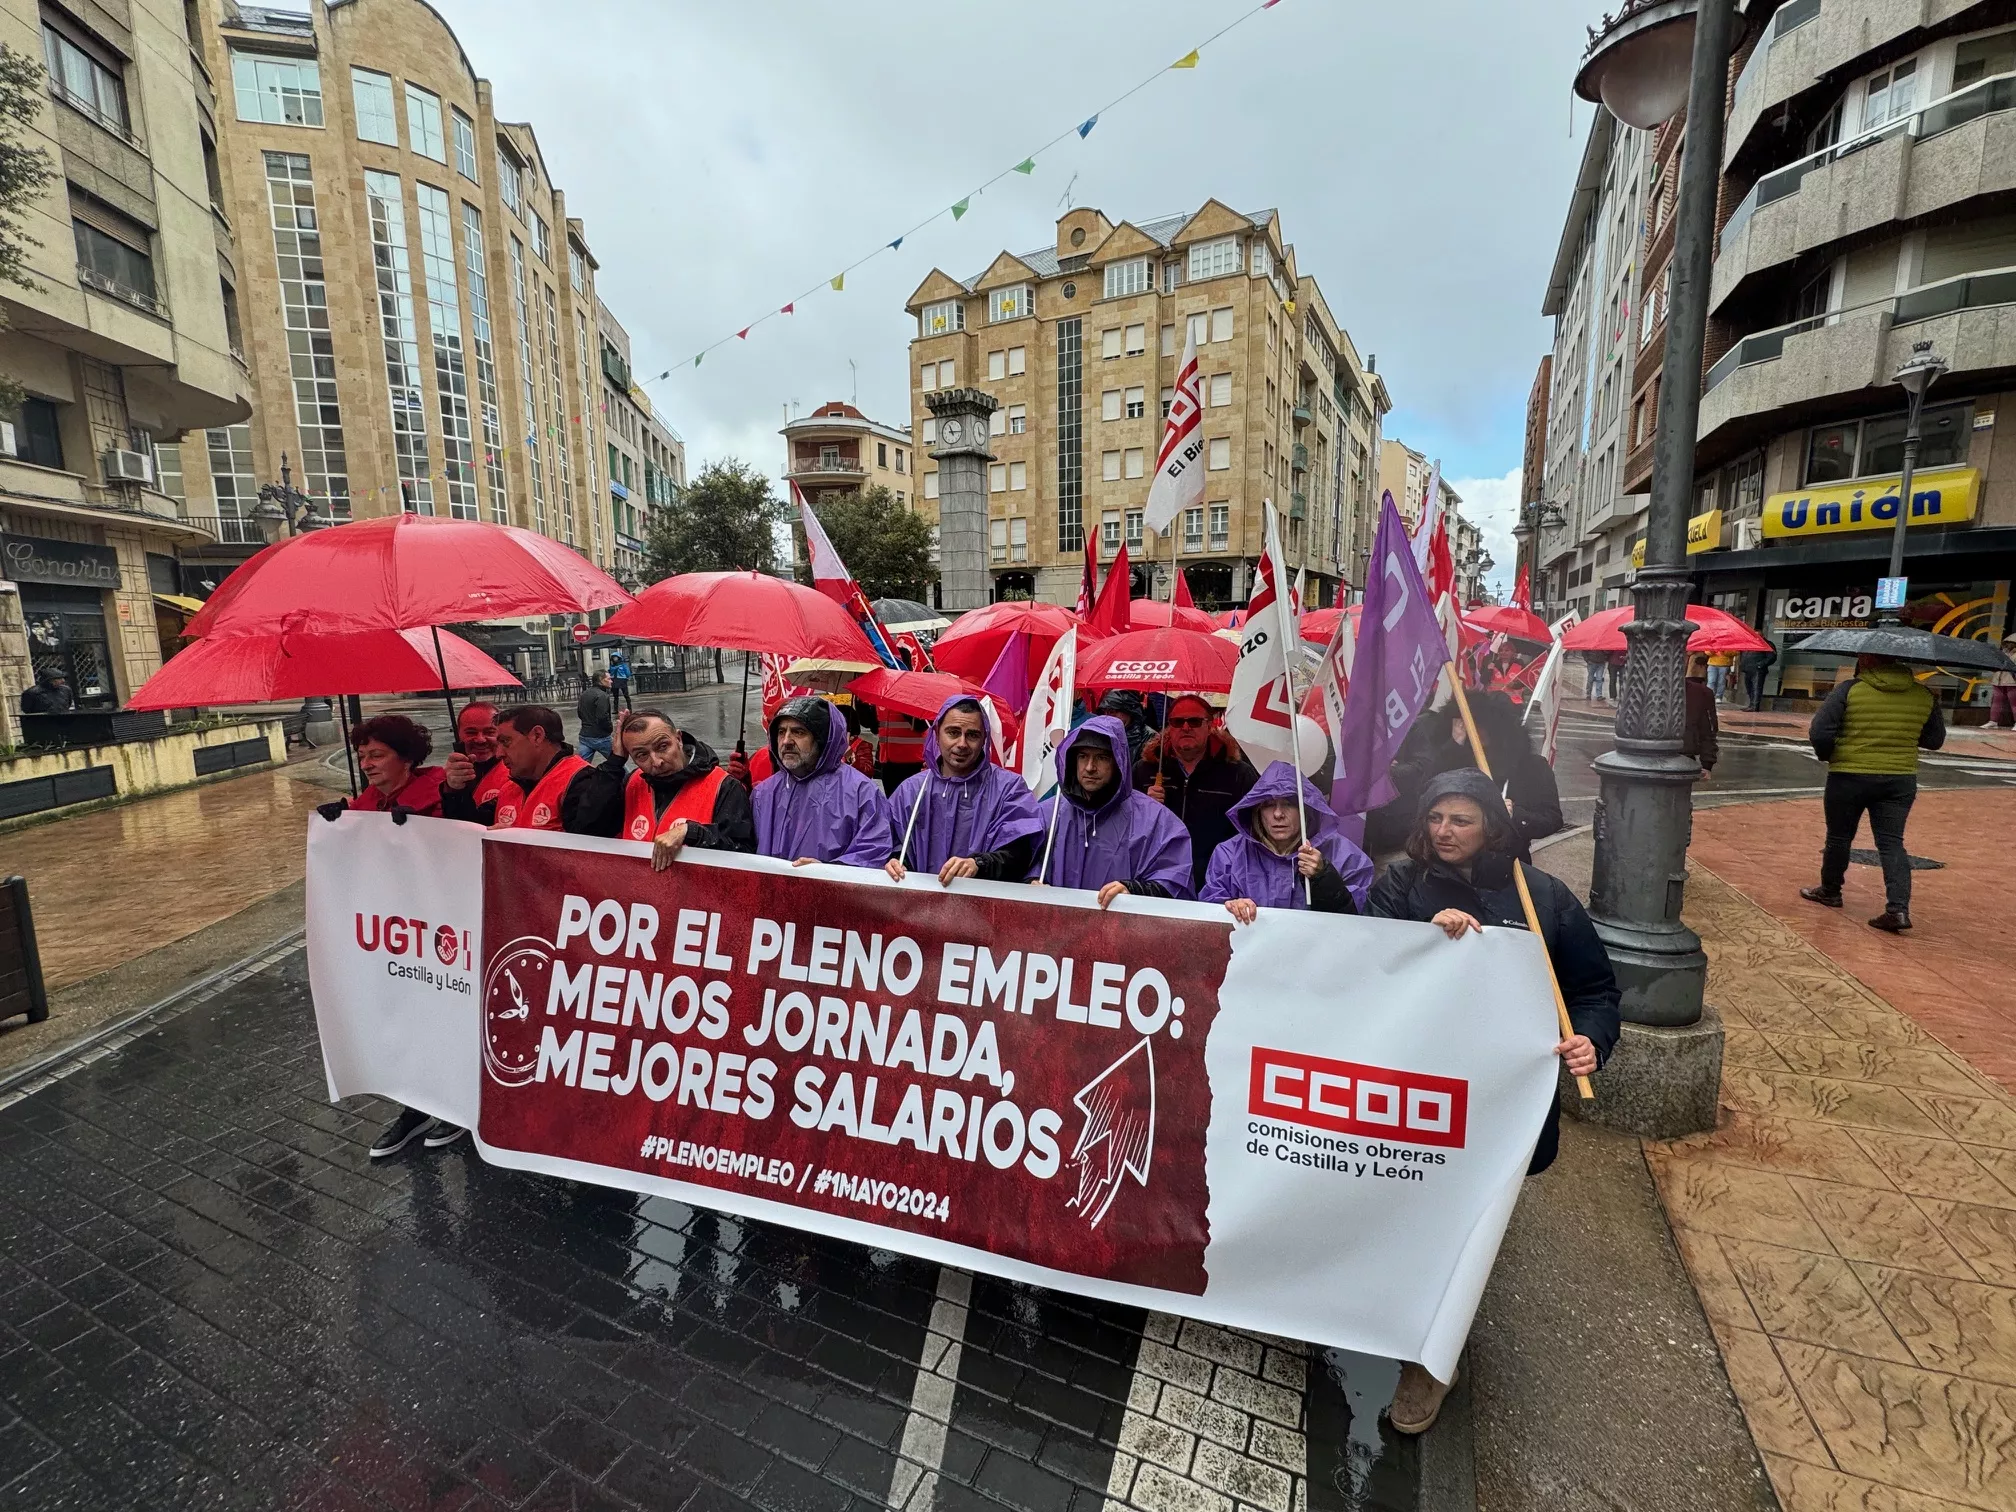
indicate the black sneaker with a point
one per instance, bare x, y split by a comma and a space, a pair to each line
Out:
1821, 896
443, 1134
1891, 921
402, 1131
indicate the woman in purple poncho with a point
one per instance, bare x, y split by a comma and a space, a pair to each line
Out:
1265, 863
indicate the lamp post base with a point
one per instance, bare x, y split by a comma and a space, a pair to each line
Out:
1659, 1083
1646, 814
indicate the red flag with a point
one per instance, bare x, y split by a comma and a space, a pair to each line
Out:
789, 309
1181, 597
1441, 572
1088, 580
1522, 591
831, 577
1113, 614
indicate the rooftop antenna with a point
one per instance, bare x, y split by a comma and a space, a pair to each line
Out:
1064, 199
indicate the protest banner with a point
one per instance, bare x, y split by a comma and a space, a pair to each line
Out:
1309, 1126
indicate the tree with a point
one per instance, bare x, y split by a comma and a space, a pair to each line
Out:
885, 546
24, 170
724, 520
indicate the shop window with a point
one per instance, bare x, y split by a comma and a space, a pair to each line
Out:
1871, 448
37, 438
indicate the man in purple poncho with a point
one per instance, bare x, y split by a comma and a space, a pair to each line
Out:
816, 807
1109, 836
1266, 861
962, 815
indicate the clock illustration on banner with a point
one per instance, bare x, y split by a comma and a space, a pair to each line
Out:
519, 976
951, 432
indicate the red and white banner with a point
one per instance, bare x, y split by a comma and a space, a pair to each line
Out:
1179, 467
1310, 1126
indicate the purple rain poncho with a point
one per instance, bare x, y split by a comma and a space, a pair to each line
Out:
1246, 867
836, 814
1132, 838
961, 816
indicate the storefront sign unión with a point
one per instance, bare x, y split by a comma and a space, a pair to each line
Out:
1942, 496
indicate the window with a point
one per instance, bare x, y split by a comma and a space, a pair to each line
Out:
1129, 277
1890, 94
1109, 466
83, 76
1168, 400
1172, 276
113, 253
997, 366
377, 119
881, 453
1018, 361
1137, 340
38, 439
937, 319
1009, 304
899, 459
927, 377
1267, 458
399, 329
997, 423
1133, 529
1193, 530
277, 91
1137, 403
1018, 476
931, 430
465, 147
948, 376
1168, 341
997, 539
1220, 456
1109, 343
1018, 538
507, 182
1263, 258
1198, 329
577, 269
997, 477
1018, 419
1136, 461
1221, 324
1944, 445
1109, 530
1979, 57
1214, 259
1221, 390
1221, 523
1109, 405
542, 239
931, 485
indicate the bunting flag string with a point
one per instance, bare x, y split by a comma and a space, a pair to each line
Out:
958, 209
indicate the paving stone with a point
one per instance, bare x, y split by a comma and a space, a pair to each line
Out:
1158, 1490
1260, 1398
1224, 1345
1245, 1480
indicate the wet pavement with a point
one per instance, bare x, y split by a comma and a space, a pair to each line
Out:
211, 1297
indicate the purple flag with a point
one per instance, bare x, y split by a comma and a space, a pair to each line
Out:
1008, 678
1400, 649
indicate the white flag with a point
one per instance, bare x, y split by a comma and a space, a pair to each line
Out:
1179, 468
1544, 707
1298, 602
1262, 702
1049, 718
1423, 537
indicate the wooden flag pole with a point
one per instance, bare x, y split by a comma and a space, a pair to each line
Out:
1525, 896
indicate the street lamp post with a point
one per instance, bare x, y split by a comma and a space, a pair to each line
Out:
1667, 1074
1920, 371
283, 510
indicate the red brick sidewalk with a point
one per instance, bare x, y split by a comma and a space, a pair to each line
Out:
1955, 972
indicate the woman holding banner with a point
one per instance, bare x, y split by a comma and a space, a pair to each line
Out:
1266, 861
1459, 875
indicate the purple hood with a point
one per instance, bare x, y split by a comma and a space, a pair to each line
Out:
1129, 838
960, 816
1246, 867
835, 814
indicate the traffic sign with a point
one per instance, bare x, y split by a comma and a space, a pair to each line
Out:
580, 635
1890, 592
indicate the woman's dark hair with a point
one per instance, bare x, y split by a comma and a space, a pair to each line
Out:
398, 734
525, 718
1498, 834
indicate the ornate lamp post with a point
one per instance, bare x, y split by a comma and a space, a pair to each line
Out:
1644, 64
1920, 371
283, 510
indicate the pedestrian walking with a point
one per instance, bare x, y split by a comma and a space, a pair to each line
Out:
619, 679
2002, 691
1100, 833
1596, 670
1869, 732
1459, 875
1700, 735
1717, 677
1196, 770
596, 711
1268, 858
819, 807
963, 816
1619, 660
1756, 669
48, 694
679, 794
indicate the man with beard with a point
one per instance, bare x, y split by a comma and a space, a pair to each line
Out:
679, 794
963, 816
817, 807
476, 762
1198, 772
1101, 833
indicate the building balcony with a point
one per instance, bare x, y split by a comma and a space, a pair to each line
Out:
1298, 506
1299, 458
1302, 413
827, 470
1792, 53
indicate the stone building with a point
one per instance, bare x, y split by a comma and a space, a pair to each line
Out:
129, 336
645, 458
1079, 342
837, 449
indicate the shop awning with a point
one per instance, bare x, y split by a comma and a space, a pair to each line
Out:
181, 603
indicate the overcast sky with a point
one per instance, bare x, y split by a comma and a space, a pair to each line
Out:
725, 158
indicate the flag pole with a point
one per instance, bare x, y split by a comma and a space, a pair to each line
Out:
1525, 895
742, 723
1056, 808
1286, 615
923, 790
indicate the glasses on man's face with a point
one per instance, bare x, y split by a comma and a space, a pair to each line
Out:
1188, 723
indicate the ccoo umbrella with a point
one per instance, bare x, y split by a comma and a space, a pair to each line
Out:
1172, 661
1907, 644
404, 572
744, 611
1717, 631
970, 648
1504, 619
228, 669
1153, 614
900, 614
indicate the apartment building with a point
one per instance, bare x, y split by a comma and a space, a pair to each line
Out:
1533, 466
836, 449
128, 335
646, 458
1079, 341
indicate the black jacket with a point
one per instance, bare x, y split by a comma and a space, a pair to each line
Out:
1412, 890
597, 712
1201, 799
1700, 735
733, 827
591, 805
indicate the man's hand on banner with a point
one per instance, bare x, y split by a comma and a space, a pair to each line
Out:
665, 849
1111, 891
1578, 1054
957, 867
806, 861
1455, 923
458, 771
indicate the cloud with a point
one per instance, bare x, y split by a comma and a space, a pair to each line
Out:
1492, 505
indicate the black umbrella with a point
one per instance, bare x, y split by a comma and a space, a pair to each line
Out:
1906, 644
900, 614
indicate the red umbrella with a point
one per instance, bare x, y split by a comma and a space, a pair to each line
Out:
403, 572
1718, 632
744, 611
1231, 619
1503, 619
1318, 625
1153, 614
971, 646
229, 669
1170, 661
921, 694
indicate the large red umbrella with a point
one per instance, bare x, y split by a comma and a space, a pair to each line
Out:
230, 669
1718, 631
1169, 661
401, 573
744, 611
972, 645
1318, 625
1153, 614
921, 694
1504, 619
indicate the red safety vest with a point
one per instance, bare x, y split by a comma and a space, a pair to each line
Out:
900, 740
540, 811
695, 802
492, 783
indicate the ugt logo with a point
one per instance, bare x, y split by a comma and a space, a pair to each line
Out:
395, 934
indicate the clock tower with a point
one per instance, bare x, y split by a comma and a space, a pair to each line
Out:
963, 416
